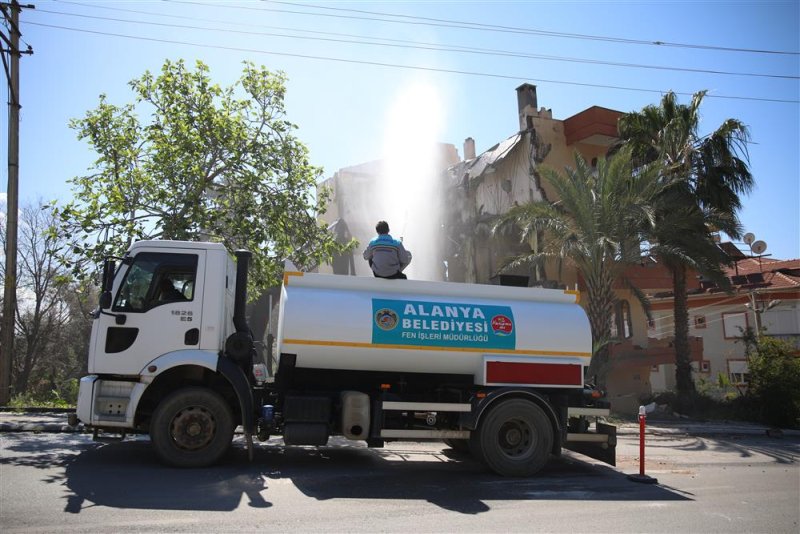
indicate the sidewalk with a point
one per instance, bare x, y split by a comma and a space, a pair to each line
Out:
704, 428
57, 422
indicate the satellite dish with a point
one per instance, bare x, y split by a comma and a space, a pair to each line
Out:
758, 247
749, 238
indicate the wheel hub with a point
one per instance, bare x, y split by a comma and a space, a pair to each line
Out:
516, 438
513, 436
193, 428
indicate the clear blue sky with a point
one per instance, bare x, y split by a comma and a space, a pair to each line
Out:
343, 108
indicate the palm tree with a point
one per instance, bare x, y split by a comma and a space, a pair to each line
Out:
707, 176
682, 241
595, 227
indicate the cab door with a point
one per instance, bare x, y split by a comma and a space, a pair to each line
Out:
157, 308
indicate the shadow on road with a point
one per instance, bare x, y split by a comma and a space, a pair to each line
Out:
736, 448
127, 475
450, 480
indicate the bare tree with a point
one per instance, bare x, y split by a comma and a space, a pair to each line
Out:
51, 321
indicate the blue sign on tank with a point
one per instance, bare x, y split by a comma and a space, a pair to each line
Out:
442, 324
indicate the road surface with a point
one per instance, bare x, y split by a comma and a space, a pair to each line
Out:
723, 483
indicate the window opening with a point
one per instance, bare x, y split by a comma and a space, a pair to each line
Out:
154, 279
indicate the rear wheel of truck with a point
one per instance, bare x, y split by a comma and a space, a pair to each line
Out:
514, 438
192, 427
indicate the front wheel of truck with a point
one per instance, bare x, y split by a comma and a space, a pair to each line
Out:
192, 427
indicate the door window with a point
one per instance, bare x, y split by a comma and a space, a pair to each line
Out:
154, 279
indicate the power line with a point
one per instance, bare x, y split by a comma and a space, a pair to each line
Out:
547, 33
542, 32
445, 23
405, 44
406, 67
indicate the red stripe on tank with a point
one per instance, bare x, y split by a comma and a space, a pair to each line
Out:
550, 374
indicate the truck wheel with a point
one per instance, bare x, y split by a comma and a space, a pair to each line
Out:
192, 427
514, 438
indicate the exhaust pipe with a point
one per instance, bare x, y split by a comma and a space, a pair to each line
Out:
239, 345
240, 292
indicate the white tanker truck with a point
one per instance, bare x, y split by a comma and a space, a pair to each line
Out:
495, 371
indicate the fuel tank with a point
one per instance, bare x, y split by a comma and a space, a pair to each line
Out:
497, 334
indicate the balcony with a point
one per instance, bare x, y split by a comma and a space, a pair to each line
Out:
593, 126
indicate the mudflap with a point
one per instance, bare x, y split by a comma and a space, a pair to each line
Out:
594, 446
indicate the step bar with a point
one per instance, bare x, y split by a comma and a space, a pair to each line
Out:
425, 434
427, 406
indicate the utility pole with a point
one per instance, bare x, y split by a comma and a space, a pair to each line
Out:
11, 12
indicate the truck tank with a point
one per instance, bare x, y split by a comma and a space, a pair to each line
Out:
500, 335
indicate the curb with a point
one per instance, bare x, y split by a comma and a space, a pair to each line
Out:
38, 420
38, 428
6, 409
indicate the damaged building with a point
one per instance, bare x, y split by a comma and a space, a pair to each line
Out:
487, 185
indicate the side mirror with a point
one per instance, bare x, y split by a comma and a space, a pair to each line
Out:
105, 300
109, 268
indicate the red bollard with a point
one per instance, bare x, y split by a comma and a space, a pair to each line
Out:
642, 420
641, 477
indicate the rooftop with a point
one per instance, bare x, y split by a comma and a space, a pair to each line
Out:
765, 272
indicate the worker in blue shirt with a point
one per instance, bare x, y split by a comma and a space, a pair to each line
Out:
386, 256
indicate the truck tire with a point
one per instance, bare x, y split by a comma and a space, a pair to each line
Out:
192, 427
514, 438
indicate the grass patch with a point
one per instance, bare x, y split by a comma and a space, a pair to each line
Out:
20, 402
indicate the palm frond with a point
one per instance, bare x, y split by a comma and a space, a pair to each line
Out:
528, 259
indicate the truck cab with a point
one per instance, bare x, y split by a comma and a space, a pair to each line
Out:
166, 313
168, 297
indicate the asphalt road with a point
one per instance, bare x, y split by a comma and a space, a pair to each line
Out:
722, 483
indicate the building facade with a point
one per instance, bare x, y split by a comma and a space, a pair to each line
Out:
765, 297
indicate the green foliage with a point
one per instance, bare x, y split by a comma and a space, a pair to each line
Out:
210, 163
55, 398
774, 381
719, 388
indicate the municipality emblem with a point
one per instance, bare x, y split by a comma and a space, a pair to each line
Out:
386, 319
